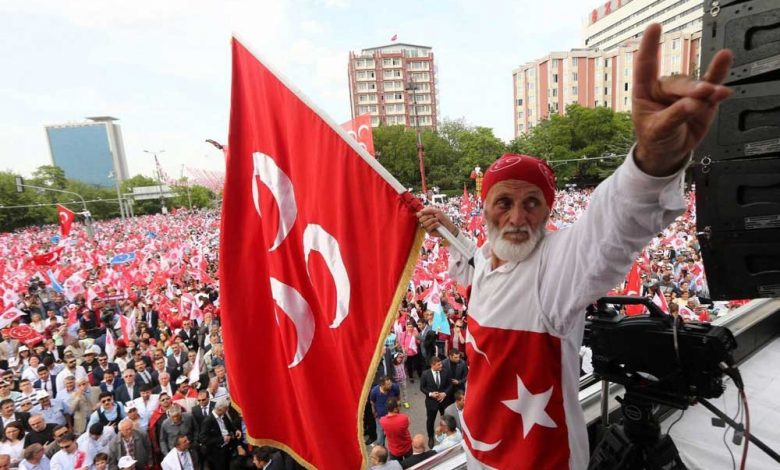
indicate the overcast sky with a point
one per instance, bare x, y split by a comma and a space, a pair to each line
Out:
163, 67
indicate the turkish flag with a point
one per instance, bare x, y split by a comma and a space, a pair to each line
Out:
517, 413
316, 252
360, 129
66, 217
26, 334
634, 289
48, 259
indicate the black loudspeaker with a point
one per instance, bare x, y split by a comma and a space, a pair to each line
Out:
737, 165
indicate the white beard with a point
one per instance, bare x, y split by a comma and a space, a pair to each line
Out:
509, 251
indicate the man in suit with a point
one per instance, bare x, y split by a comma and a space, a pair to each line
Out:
151, 317
98, 373
419, 452
458, 369
218, 436
142, 374
160, 366
436, 384
130, 390
8, 415
176, 360
130, 442
189, 335
109, 382
204, 407
182, 456
46, 381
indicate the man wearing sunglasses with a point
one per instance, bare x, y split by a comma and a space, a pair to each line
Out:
109, 413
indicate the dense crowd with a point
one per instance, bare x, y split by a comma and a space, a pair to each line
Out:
111, 348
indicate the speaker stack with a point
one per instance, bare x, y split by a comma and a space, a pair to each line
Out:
737, 166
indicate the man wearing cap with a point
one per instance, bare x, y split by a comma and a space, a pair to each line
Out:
530, 288
126, 463
80, 401
185, 396
50, 409
90, 359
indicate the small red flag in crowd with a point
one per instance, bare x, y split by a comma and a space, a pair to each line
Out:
66, 217
316, 251
48, 259
634, 289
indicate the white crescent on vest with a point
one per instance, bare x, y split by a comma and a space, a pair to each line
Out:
315, 238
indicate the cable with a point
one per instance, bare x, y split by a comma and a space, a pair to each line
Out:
747, 429
726, 431
675, 422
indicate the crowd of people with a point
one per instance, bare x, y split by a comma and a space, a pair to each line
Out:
112, 350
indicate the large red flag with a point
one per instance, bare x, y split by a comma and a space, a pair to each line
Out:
316, 252
634, 288
360, 129
66, 217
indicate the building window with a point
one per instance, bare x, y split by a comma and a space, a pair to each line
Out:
555, 92
555, 78
554, 63
530, 86
625, 86
520, 102
606, 77
574, 61
606, 62
625, 101
574, 90
606, 90
574, 76
675, 44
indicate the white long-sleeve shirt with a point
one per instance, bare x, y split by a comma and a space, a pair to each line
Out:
526, 323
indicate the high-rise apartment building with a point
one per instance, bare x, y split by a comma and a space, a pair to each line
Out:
617, 21
92, 152
396, 84
602, 73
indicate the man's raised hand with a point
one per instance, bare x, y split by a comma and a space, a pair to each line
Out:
431, 218
672, 114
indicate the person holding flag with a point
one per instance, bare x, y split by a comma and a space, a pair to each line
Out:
530, 288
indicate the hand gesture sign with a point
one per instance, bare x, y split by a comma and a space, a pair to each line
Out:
672, 114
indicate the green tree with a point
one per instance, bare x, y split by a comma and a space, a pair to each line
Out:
49, 176
592, 138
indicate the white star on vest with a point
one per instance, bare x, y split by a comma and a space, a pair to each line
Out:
531, 407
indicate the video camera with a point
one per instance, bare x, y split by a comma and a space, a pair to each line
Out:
658, 356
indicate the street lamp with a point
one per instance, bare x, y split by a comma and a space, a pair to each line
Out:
112, 176
160, 178
411, 86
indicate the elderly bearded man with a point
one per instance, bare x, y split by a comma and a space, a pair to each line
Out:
530, 289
